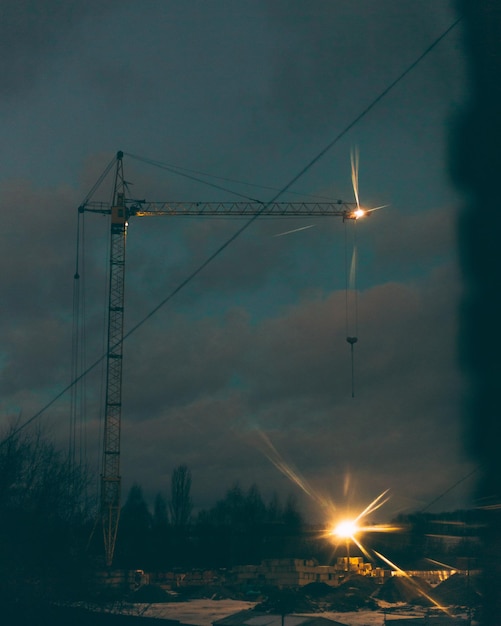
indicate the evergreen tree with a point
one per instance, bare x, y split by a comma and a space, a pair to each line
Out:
181, 505
160, 533
134, 533
160, 514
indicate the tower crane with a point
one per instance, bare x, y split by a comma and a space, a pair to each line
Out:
121, 210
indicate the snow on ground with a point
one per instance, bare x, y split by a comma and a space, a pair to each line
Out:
205, 612
197, 612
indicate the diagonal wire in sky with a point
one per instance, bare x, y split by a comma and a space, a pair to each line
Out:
248, 223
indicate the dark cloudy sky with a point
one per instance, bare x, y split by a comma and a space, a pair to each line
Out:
248, 90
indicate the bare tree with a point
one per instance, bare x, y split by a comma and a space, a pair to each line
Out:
44, 519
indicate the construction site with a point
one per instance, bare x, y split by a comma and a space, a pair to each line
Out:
298, 587
230, 373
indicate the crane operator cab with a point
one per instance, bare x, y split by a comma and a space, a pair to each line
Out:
119, 211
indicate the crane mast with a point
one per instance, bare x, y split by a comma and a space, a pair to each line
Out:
110, 476
121, 210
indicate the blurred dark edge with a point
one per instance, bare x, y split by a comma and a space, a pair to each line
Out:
476, 166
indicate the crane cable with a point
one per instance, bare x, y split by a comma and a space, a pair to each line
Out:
99, 181
77, 440
75, 348
182, 171
77, 443
351, 297
184, 174
365, 111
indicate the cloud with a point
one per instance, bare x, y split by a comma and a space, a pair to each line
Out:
400, 239
325, 50
258, 339
32, 34
197, 383
289, 375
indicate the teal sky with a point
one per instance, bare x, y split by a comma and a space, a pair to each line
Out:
249, 91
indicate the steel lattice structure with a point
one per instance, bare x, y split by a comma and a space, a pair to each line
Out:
120, 211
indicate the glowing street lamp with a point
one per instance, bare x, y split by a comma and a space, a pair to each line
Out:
347, 530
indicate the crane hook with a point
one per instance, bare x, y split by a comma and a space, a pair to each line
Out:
352, 341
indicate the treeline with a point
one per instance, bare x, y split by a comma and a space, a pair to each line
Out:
50, 540
241, 528
50, 536
45, 521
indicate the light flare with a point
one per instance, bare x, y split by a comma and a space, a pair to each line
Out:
346, 529
376, 208
359, 212
443, 565
355, 158
292, 474
350, 528
409, 579
352, 281
374, 505
294, 230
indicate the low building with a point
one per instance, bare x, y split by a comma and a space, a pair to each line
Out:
298, 572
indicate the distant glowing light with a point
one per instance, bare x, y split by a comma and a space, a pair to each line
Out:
358, 213
346, 529
350, 528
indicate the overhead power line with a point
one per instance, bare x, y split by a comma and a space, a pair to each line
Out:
449, 489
